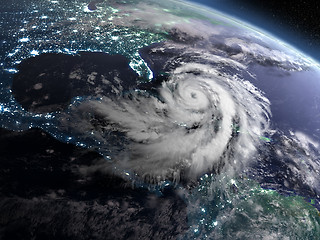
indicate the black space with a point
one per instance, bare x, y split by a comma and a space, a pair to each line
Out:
296, 22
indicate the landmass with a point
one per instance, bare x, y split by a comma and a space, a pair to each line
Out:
54, 190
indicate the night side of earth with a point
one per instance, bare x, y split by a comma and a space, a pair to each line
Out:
153, 120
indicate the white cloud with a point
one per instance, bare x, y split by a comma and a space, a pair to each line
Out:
191, 125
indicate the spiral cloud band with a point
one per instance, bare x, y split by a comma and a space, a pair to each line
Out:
200, 119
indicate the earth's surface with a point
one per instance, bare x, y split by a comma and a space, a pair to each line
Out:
153, 120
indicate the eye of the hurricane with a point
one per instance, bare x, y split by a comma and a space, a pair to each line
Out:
194, 123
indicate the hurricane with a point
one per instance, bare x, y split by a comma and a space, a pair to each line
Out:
199, 119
